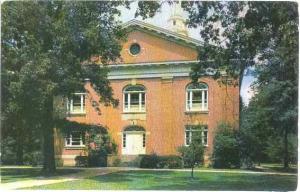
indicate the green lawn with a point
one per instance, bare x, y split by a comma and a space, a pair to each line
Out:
26, 173
278, 167
171, 180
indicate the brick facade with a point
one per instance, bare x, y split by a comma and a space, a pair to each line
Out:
166, 117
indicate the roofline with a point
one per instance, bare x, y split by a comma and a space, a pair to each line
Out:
152, 63
160, 30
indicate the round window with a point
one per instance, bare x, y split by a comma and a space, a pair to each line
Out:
135, 49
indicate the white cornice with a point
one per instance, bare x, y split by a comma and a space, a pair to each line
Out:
163, 31
150, 70
155, 70
152, 64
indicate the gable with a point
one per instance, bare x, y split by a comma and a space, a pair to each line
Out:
155, 49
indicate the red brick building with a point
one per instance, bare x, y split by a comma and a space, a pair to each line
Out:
155, 92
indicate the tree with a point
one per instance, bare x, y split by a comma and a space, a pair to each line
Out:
254, 133
262, 31
44, 46
194, 153
226, 150
240, 34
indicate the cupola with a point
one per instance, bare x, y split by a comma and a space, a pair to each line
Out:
177, 21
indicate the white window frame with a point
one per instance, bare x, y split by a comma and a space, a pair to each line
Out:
144, 140
82, 104
124, 138
70, 136
127, 108
190, 131
189, 98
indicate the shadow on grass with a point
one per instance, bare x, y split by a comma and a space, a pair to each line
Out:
18, 174
174, 180
169, 180
275, 168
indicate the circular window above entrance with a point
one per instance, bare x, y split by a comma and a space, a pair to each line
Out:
135, 49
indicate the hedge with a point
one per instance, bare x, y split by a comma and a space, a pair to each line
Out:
155, 161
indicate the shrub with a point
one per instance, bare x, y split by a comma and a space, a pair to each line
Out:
34, 158
81, 161
170, 162
226, 152
100, 145
8, 153
149, 161
155, 161
116, 162
97, 159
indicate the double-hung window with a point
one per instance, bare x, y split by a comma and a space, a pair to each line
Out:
192, 131
134, 99
76, 104
197, 97
75, 139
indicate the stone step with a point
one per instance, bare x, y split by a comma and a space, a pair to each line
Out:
130, 160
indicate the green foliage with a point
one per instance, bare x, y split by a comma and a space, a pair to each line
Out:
170, 162
46, 48
226, 152
149, 161
275, 152
147, 9
97, 159
116, 162
8, 155
253, 134
272, 113
192, 156
99, 145
34, 158
260, 34
194, 153
155, 161
81, 161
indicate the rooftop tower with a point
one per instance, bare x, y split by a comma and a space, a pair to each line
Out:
176, 20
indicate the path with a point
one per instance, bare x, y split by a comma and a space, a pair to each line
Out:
87, 172
209, 171
91, 172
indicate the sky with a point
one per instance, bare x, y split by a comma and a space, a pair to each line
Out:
161, 20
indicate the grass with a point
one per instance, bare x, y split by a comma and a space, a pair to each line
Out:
26, 173
172, 180
278, 167
264, 167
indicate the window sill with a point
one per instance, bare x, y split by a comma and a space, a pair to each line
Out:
77, 114
74, 147
134, 112
196, 112
203, 146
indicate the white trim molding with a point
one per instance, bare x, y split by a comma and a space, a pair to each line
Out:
161, 31
150, 70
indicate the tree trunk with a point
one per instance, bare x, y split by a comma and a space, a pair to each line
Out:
192, 173
48, 136
19, 160
20, 138
286, 152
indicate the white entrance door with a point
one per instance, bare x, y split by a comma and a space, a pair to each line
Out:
134, 144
